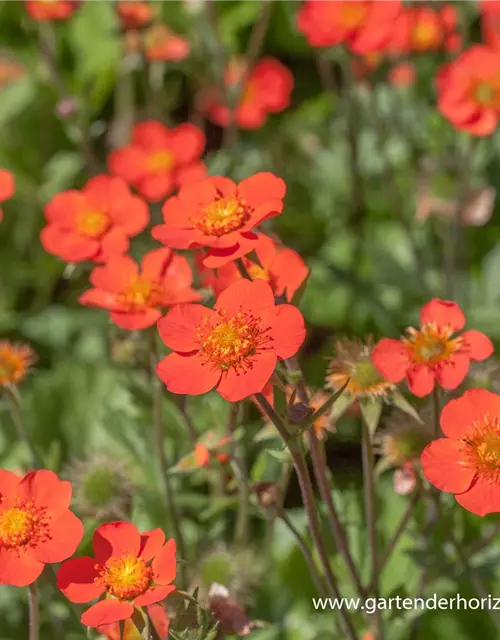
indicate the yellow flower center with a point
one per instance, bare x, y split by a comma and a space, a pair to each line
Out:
141, 294
161, 161
232, 340
487, 94
431, 344
14, 363
353, 14
20, 525
93, 223
125, 577
222, 216
361, 376
425, 35
257, 273
482, 448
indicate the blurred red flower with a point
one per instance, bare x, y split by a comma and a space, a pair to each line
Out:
469, 90
430, 353
221, 215
233, 347
159, 159
160, 43
209, 450
365, 26
466, 462
7, 187
43, 10
282, 268
267, 89
36, 525
94, 223
15, 362
134, 297
402, 74
134, 15
421, 29
131, 569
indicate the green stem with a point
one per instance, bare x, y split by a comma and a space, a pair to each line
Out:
243, 515
160, 453
310, 505
34, 623
22, 431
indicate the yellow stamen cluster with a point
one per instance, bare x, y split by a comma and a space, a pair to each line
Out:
222, 216
141, 294
21, 524
15, 361
481, 448
125, 577
93, 224
431, 343
161, 161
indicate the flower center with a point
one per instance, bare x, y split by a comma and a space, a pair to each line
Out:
353, 14
425, 34
431, 344
487, 94
257, 273
161, 161
222, 216
482, 448
141, 294
232, 340
93, 223
125, 577
18, 526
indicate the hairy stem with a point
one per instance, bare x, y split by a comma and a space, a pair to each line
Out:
243, 514
34, 609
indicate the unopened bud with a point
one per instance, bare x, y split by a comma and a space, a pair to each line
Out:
267, 494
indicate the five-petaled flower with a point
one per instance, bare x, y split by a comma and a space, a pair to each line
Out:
421, 29
233, 347
15, 361
94, 223
469, 90
365, 26
467, 461
158, 160
282, 268
7, 187
221, 215
430, 353
43, 10
36, 525
135, 296
128, 570
267, 89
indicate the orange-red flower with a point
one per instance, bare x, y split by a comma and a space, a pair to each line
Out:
402, 74
134, 15
158, 617
282, 268
15, 361
128, 570
430, 353
7, 187
43, 10
159, 159
208, 450
421, 29
469, 90
36, 525
221, 215
160, 43
363, 25
490, 22
94, 223
135, 296
233, 347
467, 461
267, 90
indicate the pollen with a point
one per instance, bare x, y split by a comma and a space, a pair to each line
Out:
233, 340
15, 361
222, 216
21, 525
482, 448
141, 294
93, 223
431, 344
125, 577
161, 161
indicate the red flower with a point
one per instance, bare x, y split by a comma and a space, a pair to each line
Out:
160, 43
469, 90
44, 10
134, 298
490, 22
282, 268
430, 353
267, 90
134, 15
208, 449
36, 525
160, 159
402, 74
128, 568
422, 29
219, 214
158, 617
466, 462
233, 347
94, 223
365, 26
15, 362
7, 187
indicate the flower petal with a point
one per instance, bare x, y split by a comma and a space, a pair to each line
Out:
187, 374
76, 579
443, 313
178, 328
260, 188
116, 539
153, 595
235, 385
107, 612
421, 379
442, 466
246, 296
151, 543
17, 568
135, 321
9, 483
482, 498
391, 358
450, 373
46, 489
165, 564
459, 414
65, 534
477, 345
287, 330
115, 275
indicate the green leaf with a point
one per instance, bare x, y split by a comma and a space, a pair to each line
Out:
281, 455
15, 99
59, 173
342, 405
371, 410
399, 401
